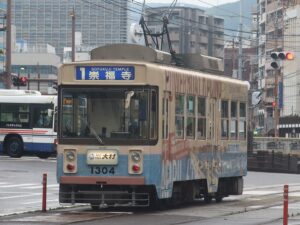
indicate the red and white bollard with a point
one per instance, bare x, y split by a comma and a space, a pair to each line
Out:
44, 200
285, 204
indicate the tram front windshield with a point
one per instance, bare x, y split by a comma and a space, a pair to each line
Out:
109, 113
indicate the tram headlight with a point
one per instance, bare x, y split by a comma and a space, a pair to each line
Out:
70, 161
70, 156
135, 161
136, 156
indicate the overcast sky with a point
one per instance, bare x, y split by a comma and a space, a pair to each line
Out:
204, 3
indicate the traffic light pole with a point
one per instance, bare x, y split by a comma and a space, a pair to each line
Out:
276, 108
8, 47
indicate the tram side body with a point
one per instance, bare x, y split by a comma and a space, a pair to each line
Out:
176, 169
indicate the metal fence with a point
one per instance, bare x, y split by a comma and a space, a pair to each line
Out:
274, 154
278, 145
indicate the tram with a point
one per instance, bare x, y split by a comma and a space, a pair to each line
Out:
135, 130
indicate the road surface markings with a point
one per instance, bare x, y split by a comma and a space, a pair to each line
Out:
20, 196
52, 186
15, 185
35, 202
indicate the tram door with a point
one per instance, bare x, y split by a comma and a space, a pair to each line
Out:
167, 146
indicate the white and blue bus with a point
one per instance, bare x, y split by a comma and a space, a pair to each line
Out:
27, 123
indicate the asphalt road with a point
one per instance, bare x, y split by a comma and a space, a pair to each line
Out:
261, 203
21, 184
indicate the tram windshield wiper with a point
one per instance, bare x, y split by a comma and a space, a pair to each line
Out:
95, 134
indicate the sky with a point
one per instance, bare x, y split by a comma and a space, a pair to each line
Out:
203, 3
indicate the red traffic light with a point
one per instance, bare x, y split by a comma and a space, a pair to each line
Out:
282, 55
289, 56
23, 81
273, 104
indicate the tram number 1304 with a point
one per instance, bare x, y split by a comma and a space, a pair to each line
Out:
102, 170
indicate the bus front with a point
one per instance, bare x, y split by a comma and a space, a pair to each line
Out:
107, 125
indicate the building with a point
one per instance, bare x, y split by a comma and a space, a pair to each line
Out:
190, 29
49, 21
278, 31
39, 64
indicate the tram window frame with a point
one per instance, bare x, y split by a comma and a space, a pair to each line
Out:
153, 114
202, 117
233, 120
179, 115
191, 116
224, 119
242, 121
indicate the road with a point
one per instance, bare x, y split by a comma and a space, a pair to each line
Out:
21, 184
260, 204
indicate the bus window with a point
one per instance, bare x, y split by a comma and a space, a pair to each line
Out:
15, 115
41, 117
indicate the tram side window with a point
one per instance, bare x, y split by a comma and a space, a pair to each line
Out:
179, 115
224, 119
190, 123
14, 116
201, 130
242, 121
233, 120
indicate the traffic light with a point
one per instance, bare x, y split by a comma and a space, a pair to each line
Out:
15, 81
277, 57
23, 81
274, 104
20, 81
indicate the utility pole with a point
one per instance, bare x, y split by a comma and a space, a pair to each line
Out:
72, 14
240, 42
8, 46
276, 74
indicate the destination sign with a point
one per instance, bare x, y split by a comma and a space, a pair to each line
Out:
105, 73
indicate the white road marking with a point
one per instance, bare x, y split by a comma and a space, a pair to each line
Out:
41, 186
20, 196
16, 185
35, 202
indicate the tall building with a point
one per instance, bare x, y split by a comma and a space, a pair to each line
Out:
271, 29
49, 21
190, 29
278, 31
